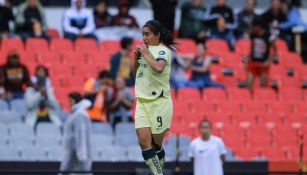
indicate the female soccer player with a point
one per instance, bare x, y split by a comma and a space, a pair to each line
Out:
154, 106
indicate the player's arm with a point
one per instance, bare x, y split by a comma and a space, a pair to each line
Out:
135, 66
157, 65
223, 157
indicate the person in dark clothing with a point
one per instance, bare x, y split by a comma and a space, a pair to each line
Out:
225, 24
16, 76
164, 11
245, 18
192, 21
123, 19
274, 15
121, 64
258, 63
6, 15
101, 15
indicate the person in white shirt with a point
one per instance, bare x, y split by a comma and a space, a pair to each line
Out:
207, 152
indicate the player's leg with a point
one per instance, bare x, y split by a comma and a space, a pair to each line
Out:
157, 142
148, 152
263, 80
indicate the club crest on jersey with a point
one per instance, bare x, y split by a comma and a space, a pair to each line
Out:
162, 52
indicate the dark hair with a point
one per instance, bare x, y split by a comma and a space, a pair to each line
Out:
76, 96
103, 74
97, 2
125, 42
166, 36
205, 121
42, 67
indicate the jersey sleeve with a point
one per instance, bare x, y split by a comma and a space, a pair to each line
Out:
164, 55
191, 152
222, 148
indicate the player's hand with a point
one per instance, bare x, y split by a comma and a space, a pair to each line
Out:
143, 50
137, 53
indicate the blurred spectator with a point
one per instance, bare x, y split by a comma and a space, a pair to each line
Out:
121, 64
77, 137
177, 70
123, 19
40, 101
30, 20
245, 19
258, 63
120, 107
200, 67
98, 91
78, 21
16, 76
192, 21
164, 11
101, 15
6, 15
225, 24
274, 15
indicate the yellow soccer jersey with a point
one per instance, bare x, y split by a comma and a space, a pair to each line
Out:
150, 84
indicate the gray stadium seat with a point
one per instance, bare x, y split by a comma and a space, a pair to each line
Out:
19, 106
97, 155
184, 154
99, 141
125, 139
229, 154
170, 153
4, 106
20, 129
3, 141
21, 141
55, 153
170, 141
7, 117
184, 141
10, 154
44, 129
124, 128
47, 141
102, 128
135, 154
3, 130
115, 154
33, 154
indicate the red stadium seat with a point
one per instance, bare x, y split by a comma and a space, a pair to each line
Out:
188, 93
274, 153
281, 46
111, 46
86, 44
186, 46
239, 94
245, 153
243, 47
231, 60
53, 33
9, 44
37, 44
290, 95
292, 59
214, 94
229, 107
264, 95
58, 45
254, 107
203, 107
216, 47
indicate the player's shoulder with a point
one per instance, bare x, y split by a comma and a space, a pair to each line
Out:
196, 141
216, 138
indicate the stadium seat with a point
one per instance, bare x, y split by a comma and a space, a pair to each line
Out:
186, 46
214, 95
9, 44
216, 47
184, 154
99, 141
135, 154
38, 44
33, 154
58, 45
115, 154
55, 154
231, 60
53, 33
125, 128
254, 107
292, 59
246, 154
125, 139
21, 141
188, 94
289, 95
264, 95
243, 47
273, 154
227, 107
4, 105
184, 141
7, 117
10, 154
19, 106
47, 141
20, 129
4, 131
170, 154
102, 128
239, 94
48, 129
281, 46
109, 46
83, 44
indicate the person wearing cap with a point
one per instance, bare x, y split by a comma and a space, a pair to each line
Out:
123, 19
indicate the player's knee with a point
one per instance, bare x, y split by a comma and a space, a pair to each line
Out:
144, 142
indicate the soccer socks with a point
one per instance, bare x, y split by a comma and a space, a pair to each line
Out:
152, 161
161, 155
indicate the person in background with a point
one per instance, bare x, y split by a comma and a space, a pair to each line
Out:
207, 152
6, 16
225, 24
123, 19
258, 63
30, 20
40, 101
16, 76
121, 104
200, 67
101, 15
245, 19
164, 11
77, 137
121, 63
177, 76
192, 21
98, 91
78, 22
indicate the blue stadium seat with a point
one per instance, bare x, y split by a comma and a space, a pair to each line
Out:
19, 106
102, 128
125, 128
33, 154
3, 105
21, 141
48, 129
10, 154
170, 142
47, 141
99, 141
184, 154
135, 154
55, 153
7, 117
184, 141
21, 129
170, 153
115, 154
3, 130
126, 139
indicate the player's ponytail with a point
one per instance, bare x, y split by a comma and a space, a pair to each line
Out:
166, 36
